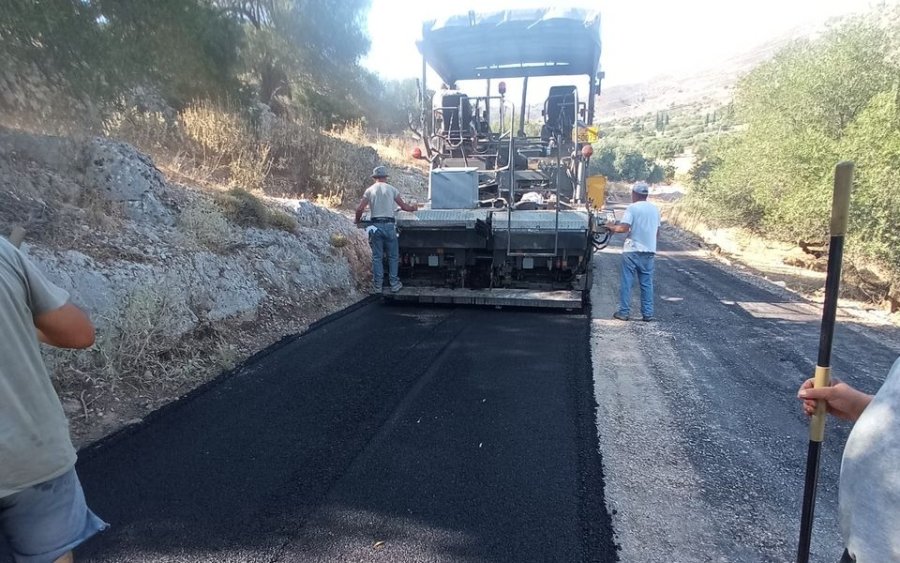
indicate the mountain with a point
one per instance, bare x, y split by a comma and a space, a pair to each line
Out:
713, 87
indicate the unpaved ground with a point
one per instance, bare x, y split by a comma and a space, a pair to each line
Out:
702, 438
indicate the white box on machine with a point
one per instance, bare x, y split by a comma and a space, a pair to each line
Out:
453, 188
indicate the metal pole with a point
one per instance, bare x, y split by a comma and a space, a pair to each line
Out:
592, 94
512, 179
487, 103
558, 170
522, 116
840, 205
430, 130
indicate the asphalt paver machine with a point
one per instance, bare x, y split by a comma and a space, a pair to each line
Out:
508, 220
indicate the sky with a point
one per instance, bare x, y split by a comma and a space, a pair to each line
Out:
641, 38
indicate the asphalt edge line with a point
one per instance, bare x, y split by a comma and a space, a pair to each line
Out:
88, 451
598, 537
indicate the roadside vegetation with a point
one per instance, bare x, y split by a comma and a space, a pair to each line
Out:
645, 148
254, 94
818, 101
764, 162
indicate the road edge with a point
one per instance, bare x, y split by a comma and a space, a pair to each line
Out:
88, 451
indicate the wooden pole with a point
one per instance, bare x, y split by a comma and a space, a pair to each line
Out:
840, 206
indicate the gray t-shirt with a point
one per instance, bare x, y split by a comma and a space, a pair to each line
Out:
869, 494
643, 217
34, 434
381, 197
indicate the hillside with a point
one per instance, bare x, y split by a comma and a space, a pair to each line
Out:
710, 88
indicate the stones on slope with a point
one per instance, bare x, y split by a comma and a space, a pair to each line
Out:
221, 289
144, 260
115, 170
123, 174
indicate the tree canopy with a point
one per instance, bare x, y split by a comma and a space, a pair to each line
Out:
299, 56
816, 102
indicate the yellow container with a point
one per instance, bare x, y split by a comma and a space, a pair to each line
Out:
596, 191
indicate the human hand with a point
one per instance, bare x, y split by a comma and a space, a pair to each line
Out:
842, 400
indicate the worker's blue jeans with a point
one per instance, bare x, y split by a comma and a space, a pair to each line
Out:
638, 264
384, 240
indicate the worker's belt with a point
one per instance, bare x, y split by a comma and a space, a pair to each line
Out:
382, 219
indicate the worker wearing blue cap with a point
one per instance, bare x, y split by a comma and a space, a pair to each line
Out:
641, 223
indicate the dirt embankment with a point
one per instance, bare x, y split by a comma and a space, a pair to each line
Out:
182, 282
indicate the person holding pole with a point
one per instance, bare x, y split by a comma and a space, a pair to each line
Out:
869, 490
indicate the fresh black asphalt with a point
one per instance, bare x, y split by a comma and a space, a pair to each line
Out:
389, 434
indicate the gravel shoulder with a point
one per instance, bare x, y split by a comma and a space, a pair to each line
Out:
703, 442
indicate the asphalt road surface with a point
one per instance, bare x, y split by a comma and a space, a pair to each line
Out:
389, 434
408, 434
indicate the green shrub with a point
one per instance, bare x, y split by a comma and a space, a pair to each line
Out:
815, 103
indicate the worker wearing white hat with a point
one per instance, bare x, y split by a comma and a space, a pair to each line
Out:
641, 222
383, 199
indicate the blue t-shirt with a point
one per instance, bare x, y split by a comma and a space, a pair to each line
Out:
643, 217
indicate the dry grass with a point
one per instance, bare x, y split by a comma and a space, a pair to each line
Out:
332, 201
214, 145
338, 240
227, 141
248, 210
204, 223
142, 349
316, 166
217, 130
250, 167
394, 149
144, 331
150, 132
218, 145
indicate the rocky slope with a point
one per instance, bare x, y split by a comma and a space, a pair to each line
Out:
181, 282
